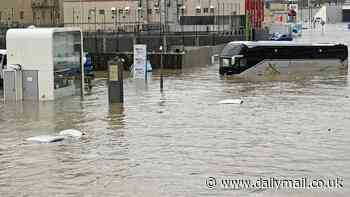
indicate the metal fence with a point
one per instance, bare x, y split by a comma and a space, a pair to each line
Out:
111, 42
104, 45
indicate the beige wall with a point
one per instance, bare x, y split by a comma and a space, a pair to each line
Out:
221, 7
10, 12
126, 17
22, 12
47, 12
76, 12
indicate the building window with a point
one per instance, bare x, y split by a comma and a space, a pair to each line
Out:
149, 11
198, 10
156, 4
102, 12
212, 9
43, 15
92, 12
127, 9
205, 10
121, 11
0, 16
157, 10
21, 15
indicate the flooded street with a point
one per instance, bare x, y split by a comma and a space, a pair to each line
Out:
168, 144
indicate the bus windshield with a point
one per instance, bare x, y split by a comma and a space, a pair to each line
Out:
226, 62
231, 50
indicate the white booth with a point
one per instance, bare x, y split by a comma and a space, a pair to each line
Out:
50, 62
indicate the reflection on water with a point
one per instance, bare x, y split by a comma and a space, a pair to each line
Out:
167, 144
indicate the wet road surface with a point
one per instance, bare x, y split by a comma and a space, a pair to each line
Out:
168, 144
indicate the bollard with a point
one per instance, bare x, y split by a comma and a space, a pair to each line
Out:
115, 81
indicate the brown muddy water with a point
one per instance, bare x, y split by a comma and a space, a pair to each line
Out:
168, 144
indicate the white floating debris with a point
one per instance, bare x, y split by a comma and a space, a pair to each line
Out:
71, 133
45, 139
62, 135
231, 101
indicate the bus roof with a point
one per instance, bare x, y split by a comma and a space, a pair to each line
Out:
251, 44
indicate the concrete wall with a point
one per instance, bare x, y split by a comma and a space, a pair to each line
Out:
334, 14
222, 7
200, 56
28, 12
322, 13
98, 15
109, 43
10, 11
306, 14
331, 14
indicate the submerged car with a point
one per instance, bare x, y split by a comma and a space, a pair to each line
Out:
281, 37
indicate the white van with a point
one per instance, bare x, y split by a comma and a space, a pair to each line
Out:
3, 61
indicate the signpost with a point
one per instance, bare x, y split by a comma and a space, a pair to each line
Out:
140, 62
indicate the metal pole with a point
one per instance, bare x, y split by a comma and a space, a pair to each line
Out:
116, 16
73, 17
164, 48
301, 13
95, 21
82, 91
218, 18
223, 17
182, 29
161, 69
115, 20
81, 15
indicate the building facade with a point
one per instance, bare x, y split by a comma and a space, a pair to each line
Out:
47, 12
131, 15
31, 12
110, 15
213, 7
15, 12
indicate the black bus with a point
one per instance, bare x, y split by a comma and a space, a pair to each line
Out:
281, 57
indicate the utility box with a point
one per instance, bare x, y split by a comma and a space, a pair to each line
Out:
12, 85
50, 59
115, 81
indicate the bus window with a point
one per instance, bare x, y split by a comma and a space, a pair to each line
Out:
225, 62
243, 62
238, 61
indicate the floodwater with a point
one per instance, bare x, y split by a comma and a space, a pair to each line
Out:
168, 144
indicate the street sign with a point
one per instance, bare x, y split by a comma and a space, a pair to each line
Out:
140, 61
